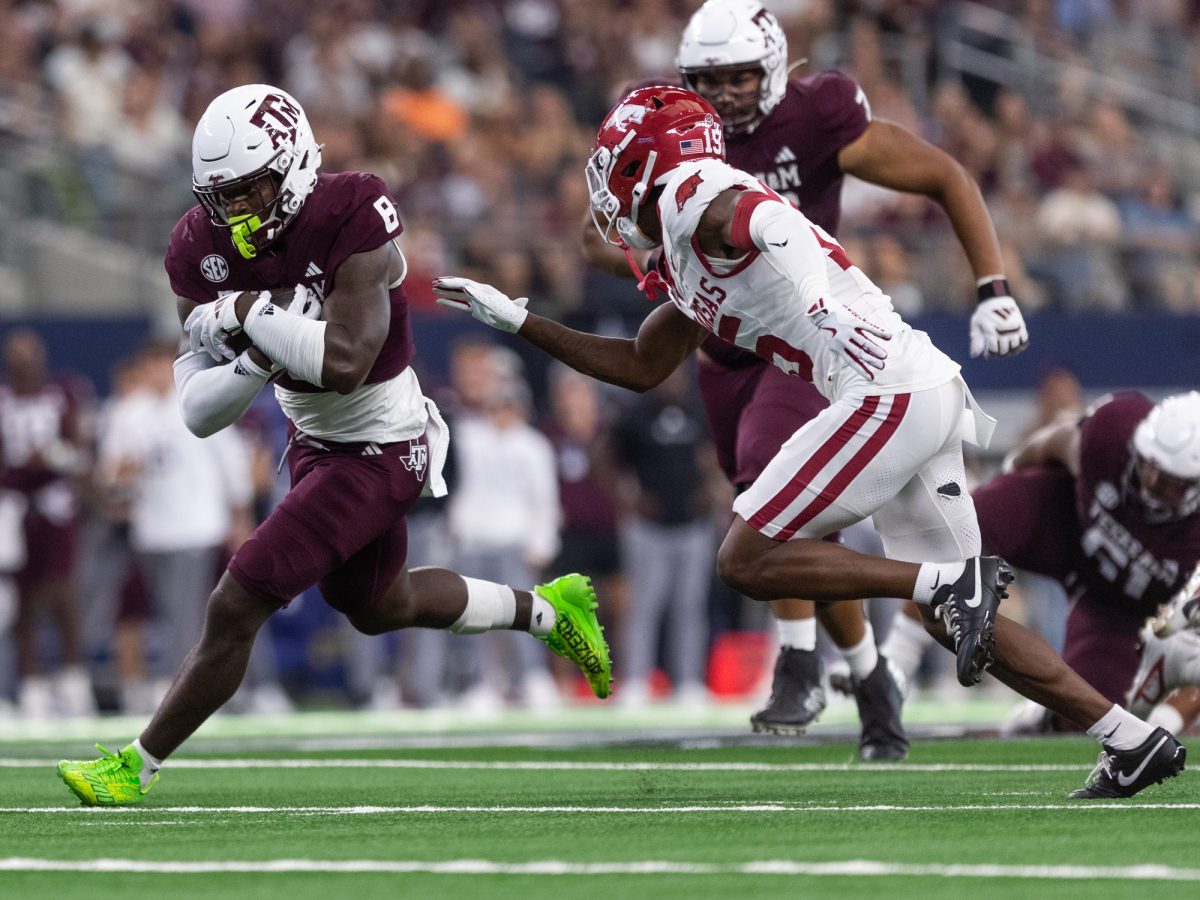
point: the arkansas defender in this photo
(365, 442)
(800, 137)
(741, 262)
(1110, 507)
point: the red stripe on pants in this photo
(851, 470)
(815, 463)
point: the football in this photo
(281, 297)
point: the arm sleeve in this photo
(296, 343)
(212, 396)
(787, 242)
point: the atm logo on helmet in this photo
(278, 117)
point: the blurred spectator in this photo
(668, 541)
(42, 440)
(503, 520)
(189, 500)
(1081, 227)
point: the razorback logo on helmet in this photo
(624, 116)
(278, 117)
(687, 190)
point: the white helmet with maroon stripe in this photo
(736, 34)
(248, 135)
(1167, 448)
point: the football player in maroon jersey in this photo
(365, 441)
(1109, 505)
(800, 137)
(41, 459)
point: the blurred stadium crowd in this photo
(1077, 119)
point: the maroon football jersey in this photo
(1122, 554)
(346, 213)
(31, 426)
(794, 152)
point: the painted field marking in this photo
(857, 867)
(430, 809)
(574, 766)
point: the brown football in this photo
(281, 297)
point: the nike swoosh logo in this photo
(1126, 780)
(1110, 734)
(937, 579)
(975, 599)
(773, 244)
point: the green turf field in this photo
(611, 816)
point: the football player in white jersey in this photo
(742, 263)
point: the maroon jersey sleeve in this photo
(190, 243)
(842, 109)
(367, 216)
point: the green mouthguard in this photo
(242, 227)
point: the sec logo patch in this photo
(214, 268)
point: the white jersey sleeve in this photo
(758, 301)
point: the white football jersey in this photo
(753, 304)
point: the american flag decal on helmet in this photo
(691, 147)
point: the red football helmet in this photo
(644, 138)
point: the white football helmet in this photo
(736, 34)
(254, 139)
(1166, 445)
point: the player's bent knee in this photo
(234, 613)
(736, 567)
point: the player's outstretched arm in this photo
(663, 341)
(892, 156)
(1055, 444)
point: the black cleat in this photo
(879, 700)
(968, 607)
(1122, 773)
(797, 697)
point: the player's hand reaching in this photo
(852, 334)
(484, 302)
(998, 328)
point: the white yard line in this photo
(584, 810)
(858, 867)
(581, 766)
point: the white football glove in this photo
(998, 328)
(852, 334)
(210, 326)
(485, 303)
(306, 303)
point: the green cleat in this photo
(577, 633)
(112, 780)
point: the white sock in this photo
(933, 576)
(905, 645)
(799, 634)
(489, 606)
(1119, 729)
(863, 656)
(150, 764)
(1166, 716)
(541, 618)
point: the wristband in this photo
(996, 286)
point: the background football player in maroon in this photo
(41, 460)
(1109, 506)
(364, 443)
(800, 137)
